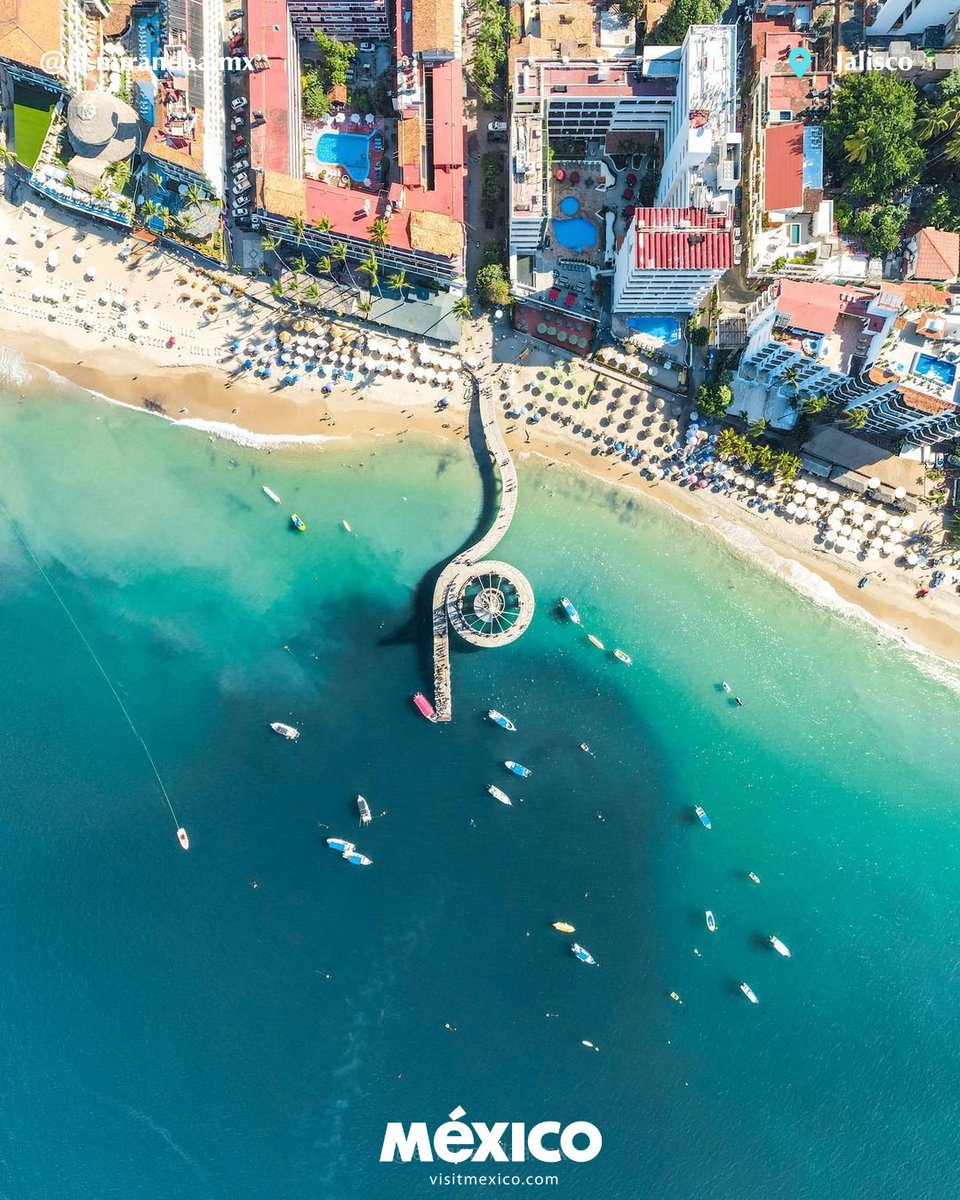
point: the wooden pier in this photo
(446, 594)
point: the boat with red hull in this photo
(424, 707)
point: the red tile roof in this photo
(783, 176)
(938, 255)
(682, 239)
(269, 90)
(815, 307)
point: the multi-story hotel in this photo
(347, 20)
(670, 259)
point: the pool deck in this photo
(312, 166)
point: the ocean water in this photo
(169, 1031)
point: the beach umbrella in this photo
(890, 547)
(833, 497)
(802, 514)
(912, 560)
(899, 493)
(822, 493)
(872, 553)
(791, 508)
(908, 524)
(873, 482)
(811, 502)
(894, 522)
(884, 530)
(847, 506)
(859, 506)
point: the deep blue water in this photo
(170, 1031)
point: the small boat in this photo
(364, 809)
(499, 719)
(341, 844)
(585, 748)
(570, 610)
(584, 955)
(711, 921)
(781, 949)
(424, 706)
(704, 819)
(748, 992)
(497, 794)
(359, 860)
(623, 657)
(518, 769)
(596, 641)
(182, 838)
(564, 927)
(346, 525)
(753, 877)
(726, 687)
(298, 523)
(739, 702)
(271, 493)
(674, 996)
(862, 583)
(589, 1045)
(287, 731)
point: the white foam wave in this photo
(814, 587)
(14, 371)
(256, 441)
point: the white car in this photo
(238, 103)
(242, 165)
(240, 212)
(497, 127)
(366, 47)
(241, 183)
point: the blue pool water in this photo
(348, 150)
(665, 329)
(926, 364)
(575, 233)
(569, 206)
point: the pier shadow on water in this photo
(419, 627)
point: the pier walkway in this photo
(468, 564)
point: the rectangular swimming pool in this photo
(662, 329)
(944, 372)
(351, 151)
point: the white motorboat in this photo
(287, 731)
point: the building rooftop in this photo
(267, 29)
(783, 177)
(433, 24)
(29, 29)
(682, 239)
(817, 307)
(938, 255)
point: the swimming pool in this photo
(348, 150)
(575, 233)
(664, 329)
(945, 372)
(569, 206)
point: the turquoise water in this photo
(169, 1031)
(667, 329)
(575, 233)
(569, 206)
(348, 150)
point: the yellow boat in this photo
(564, 927)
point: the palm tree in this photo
(463, 309)
(370, 268)
(277, 290)
(324, 265)
(298, 224)
(787, 466)
(379, 232)
(298, 265)
(268, 244)
(194, 196)
(156, 179)
(312, 292)
(758, 427)
(152, 209)
(120, 174)
(324, 224)
(814, 404)
(791, 375)
(398, 282)
(854, 418)
(364, 307)
(858, 145)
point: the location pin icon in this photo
(799, 60)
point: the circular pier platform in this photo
(490, 603)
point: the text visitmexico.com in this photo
(456, 1141)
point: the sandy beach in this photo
(198, 380)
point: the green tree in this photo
(335, 60)
(493, 287)
(316, 102)
(812, 405)
(787, 466)
(364, 307)
(869, 137)
(398, 282)
(854, 418)
(714, 399)
(338, 252)
(311, 292)
(298, 224)
(324, 264)
(758, 427)
(268, 244)
(697, 335)
(120, 173)
(324, 224)
(379, 233)
(371, 268)
(673, 25)
(462, 308)
(298, 264)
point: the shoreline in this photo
(268, 418)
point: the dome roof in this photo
(94, 119)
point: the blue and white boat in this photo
(584, 955)
(499, 719)
(704, 819)
(341, 844)
(518, 769)
(359, 860)
(568, 608)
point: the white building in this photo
(670, 259)
(904, 17)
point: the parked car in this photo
(234, 14)
(241, 212)
(351, 75)
(239, 139)
(497, 127)
(238, 103)
(242, 182)
(240, 165)
(236, 122)
(366, 47)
